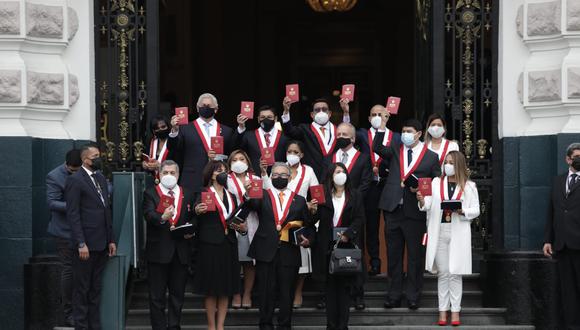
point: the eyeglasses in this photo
(320, 109)
(283, 176)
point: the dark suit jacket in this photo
(362, 141)
(209, 226)
(360, 175)
(392, 192)
(352, 217)
(250, 145)
(55, 183)
(312, 155)
(187, 147)
(160, 245)
(563, 224)
(266, 240)
(89, 219)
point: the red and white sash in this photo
(280, 211)
(339, 222)
(205, 139)
(407, 170)
(302, 173)
(179, 197)
(262, 140)
(153, 150)
(444, 149)
(351, 160)
(375, 159)
(326, 146)
(444, 193)
(223, 211)
(238, 184)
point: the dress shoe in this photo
(455, 323)
(392, 304)
(359, 304)
(413, 305)
(442, 323)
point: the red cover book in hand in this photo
(164, 202)
(293, 92)
(317, 192)
(255, 191)
(182, 114)
(348, 92)
(217, 144)
(393, 105)
(268, 156)
(425, 186)
(247, 109)
(208, 198)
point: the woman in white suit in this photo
(449, 233)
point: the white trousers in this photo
(449, 286)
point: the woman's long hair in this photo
(461, 169)
(208, 170)
(329, 182)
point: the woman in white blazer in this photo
(449, 233)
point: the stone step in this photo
(140, 300)
(314, 317)
(369, 327)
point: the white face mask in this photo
(292, 159)
(408, 138)
(239, 167)
(449, 169)
(168, 181)
(376, 122)
(321, 118)
(436, 131)
(339, 179)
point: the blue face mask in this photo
(408, 138)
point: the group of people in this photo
(363, 173)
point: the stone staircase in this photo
(473, 315)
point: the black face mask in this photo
(267, 124)
(280, 183)
(342, 142)
(97, 164)
(206, 112)
(162, 134)
(222, 179)
(576, 163)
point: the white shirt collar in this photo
(202, 122)
(327, 125)
(276, 192)
(351, 152)
(272, 131)
(165, 191)
(416, 149)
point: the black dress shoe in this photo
(392, 304)
(413, 305)
(359, 304)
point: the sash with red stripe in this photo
(206, 146)
(352, 161)
(177, 214)
(238, 187)
(301, 180)
(223, 212)
(375, 159)
(263, 145)
(444, 153)
(320, 140)
(417, 161)
(280, 217)
(339, 222)
(442, 185)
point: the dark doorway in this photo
(248, 50)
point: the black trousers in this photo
(568, 262)
(372, 214)
(87, 279)
(401, 231)
(275, 280)
(170, 277)
(338, 292)
(65, 256)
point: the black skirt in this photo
(217, 270)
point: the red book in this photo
(348, 92)
(255, 191)
(217, 144)
(182, 114)
(425, 186)
(393, 105)
(293, 92)
(164, 202)
(317, 192)
(208, 199)
(247, 109)
(268, 156)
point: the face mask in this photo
(449, 169)
(436, 131)
(97, 164)
(280, 183)
(376, 122)
(239, 167)
(576, 163)
(163, 134)
(408, 138)
(267, 124)
(292, 159)
(222, 179)
(206, 112)
(339, 179)
(343, 142)
(321, 118)
(168, 181)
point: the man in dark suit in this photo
(59, 228)
(266, 136)
(191, 143)
(88, 212)
(277, 258)
(404, 223)
(378, 118)
(562, 235)
(319, 137)
(167, 256)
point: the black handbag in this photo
(345, 260)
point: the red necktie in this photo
(267, 138)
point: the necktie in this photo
(171, 192)
(207, 125)
(267, 138)
(98, 186)
(344, 158)
(409, 156)
(573, 181)
(281, 197)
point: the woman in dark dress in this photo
(343, 208)
(217, 274)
